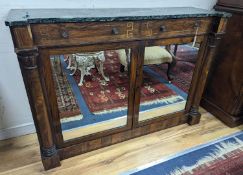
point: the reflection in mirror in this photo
(167, 75)
(92, 92)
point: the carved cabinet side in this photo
(206, 56)
(28, 60)
(223, 96)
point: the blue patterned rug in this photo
(219, 157)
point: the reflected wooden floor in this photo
(121, 121)
(94, 128)
(21, 155)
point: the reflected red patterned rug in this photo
(67, 104)
(101, 96)
(182, 74)
(183, 71)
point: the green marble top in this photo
(33, 16)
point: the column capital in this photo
(28, 58)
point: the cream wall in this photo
(15, 115)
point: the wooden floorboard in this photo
(21, 155)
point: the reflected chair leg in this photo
(171, 66)
(175, 49)
(122, 68)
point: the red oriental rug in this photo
(67, 104)
(186, 57)
(102, 97)
(182, 74)
(105, 97)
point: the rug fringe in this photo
(222, 149)
(167, 100)
(70, 119)
(110, 111)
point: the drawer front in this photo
(175, 27)
(82, 33)
(96, 32)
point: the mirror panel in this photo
(167, 75)
(92, 90)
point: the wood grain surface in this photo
(21, 155)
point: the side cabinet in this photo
(223, 96)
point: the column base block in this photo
(51, 162)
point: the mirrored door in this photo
(166, 80)
(93, 91)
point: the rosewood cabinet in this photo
(223, 96)
(71, 119)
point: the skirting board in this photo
(16, 131)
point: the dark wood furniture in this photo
(171, 64)
(37, 34)
(223, 96)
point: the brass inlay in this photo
(30, 32)
(129, 29)
(149, 31)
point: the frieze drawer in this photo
(174, 27)
(91, 32)
(82, 33)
